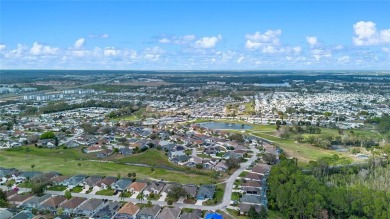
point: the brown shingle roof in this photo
(251, 183)
(73, 202)
(54, 201)
(137, 186)
(129, 208)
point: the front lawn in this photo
(108, 192)
(77, 189)
(57, 188)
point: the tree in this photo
(199, 166)
(3, 199)
(47, 135)
(60, 211)
(177, 192)
(270, 158)
(233, 163)
(38, 189)
(32, 166)
(141, 196)
(68, 194)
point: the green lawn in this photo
(304, 152)
(77, 189)
(151, 157)
(57, 188)
(108, 192)
(27, 184)
(66, 162)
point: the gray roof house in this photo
(122, 184)
(92, 180)
(5, 214)
(195, 214)
(154, 187)
(169, 213)
(52, 203)
(70, 205)
(89, 207)
(73, 181)
(149, 213)
(191, 190)
(205, 192)
(35, 201)
(108, 210)
(251, 199)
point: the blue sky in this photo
(189, 35)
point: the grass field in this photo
(72, 161)
(304, 152)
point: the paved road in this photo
(225, 201)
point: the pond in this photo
(224, 125)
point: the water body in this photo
(224, 125)
(276, 85)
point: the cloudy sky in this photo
(189, 35)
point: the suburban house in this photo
(122, 184)
(191, 190)
(19, 199)
(244, 208)
(35, 201)
(52, 203)
(251, 199)
(105, 183)
(74, 181)
(137, 187)
(149, 213)
(58, 180)
(262, 169)
(128, 211)
(70, 205)
(92, 181)
(154, 187)
(89, 207)
(108, 210)
(221, 166)
(251, 183)
(195, 214)
(169, 213)
(205, 192)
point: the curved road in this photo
(225, 201)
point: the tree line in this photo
(298, 195)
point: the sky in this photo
(195, 35)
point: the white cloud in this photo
(366, 34)
(2, 47)
(110, 51)
(207, 42)
(312, 41)
(386, 50)
(319, 54)
(343, 59)
(105, 35)
(39, 49)
(79, 43)
(177, 40)
(259, 40)
(239, 60)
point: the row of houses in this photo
(50, 205)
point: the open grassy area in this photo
(304, 152)
(152, 157)
(72, 161)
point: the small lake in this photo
(224, 125)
